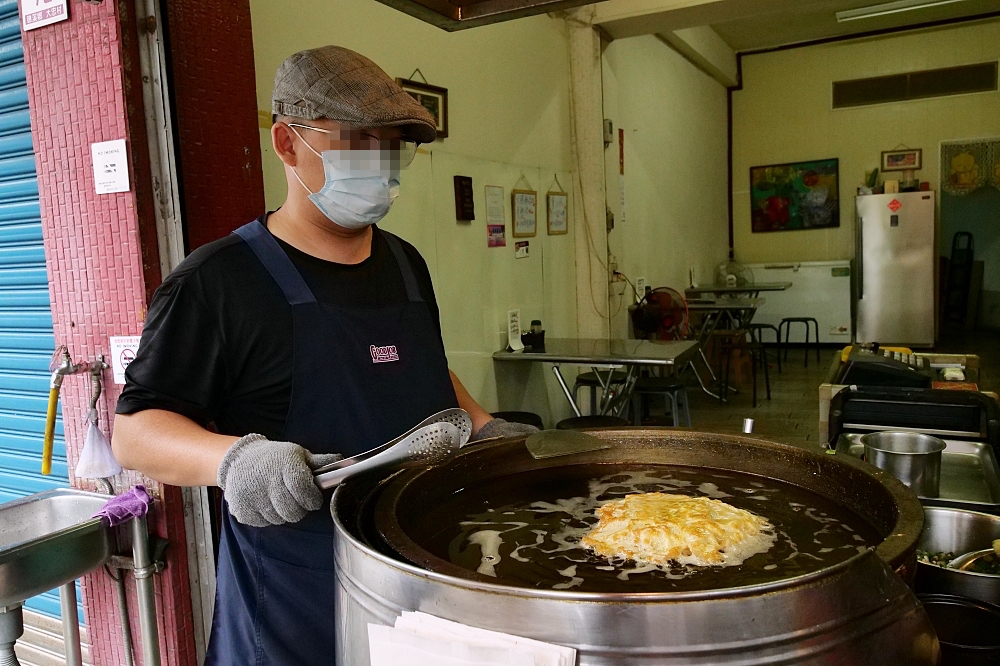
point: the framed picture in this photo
(556, 206)
(524, 204)
(797, 195)
(902, 160)
(432, 98)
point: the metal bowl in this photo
(913, 458)
(967, 629)
(957, 531)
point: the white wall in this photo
(674, 117)
(784, 114)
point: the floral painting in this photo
(798, 195)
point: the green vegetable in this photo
(937, 559)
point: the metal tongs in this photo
(431, 442)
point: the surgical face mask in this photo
(360, 186)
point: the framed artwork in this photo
(524, 204)
(902, 160)
(556, 206)
(432, 98)
(797, 195)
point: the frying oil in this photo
(533, 538)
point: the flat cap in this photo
(337, 83)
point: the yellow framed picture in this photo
(524, 206)
(557, 208)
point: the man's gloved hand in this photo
(270, 483)
(501, 428)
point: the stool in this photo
(755, 335)
(527, 418)
(673, 392)
(786, 324)
(756, 350)
(590, 380)
(588, 422)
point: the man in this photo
(306, 335)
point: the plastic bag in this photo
(96, 460)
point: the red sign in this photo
(894, 205)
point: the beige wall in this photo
(509, 101)
(784, 114)
(674, 117)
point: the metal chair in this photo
(593, 382)
(755, 334)
(756, 350)
(786, 324)
(674, 394)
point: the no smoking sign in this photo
(123, 351)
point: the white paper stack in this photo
(419, 639)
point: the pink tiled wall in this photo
(101, 254)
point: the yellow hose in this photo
(50, 431)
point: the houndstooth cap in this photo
(337, 83)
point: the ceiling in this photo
(454, 15)
(816, 19)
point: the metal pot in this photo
(967, 629)
(913, 458)
(957, 531)
(857, 610)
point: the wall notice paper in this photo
(419, 639)
(514, 330)
(496, 235)
(521, 250)
(494, 205)
(123, 351)
(38, 13)
(110, 166)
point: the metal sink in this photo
(48, 540)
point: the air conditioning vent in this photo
(916, 85)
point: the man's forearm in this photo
(169, 448)
(480, 416)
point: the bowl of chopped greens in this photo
(956, 555)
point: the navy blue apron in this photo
(362, 376)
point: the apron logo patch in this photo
(385, 354)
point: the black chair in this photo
(527, 418)
(588, 422)
(756, 331)
(674, 394)
(590, 380)
(786, 324)
(756, 351)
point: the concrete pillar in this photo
(588, 151)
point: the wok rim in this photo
(897, 547)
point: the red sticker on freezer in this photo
(894, 205)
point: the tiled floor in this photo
(792, 414)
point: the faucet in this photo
(61, 366)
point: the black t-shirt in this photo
(217, 342)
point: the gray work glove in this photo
(501, 428)
(271, 483)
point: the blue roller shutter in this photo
(26, 339)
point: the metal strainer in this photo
(427, 445)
